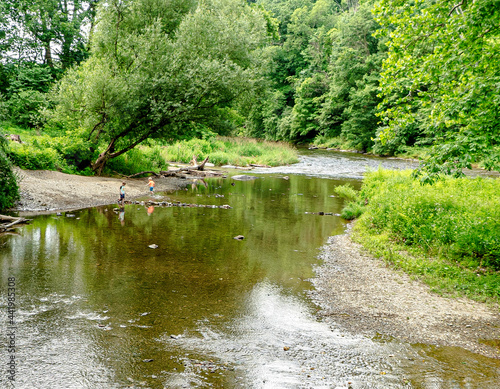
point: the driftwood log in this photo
(197, 170)
(149, 173)
(12, 222)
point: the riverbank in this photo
(363, 296)
(49, 191)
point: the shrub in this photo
(69, 153)
(138, 160)
(354, 207)
(25, 107)
(9, 189)
(33, 157)
(456, 218)
(346, 191)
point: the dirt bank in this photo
(43, 190)
(362, 295)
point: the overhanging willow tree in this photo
(150, 77)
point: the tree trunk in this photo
(100, 162)
(48, 55)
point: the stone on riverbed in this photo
(243, 177)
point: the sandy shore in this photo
(362, 295)
(46, 191)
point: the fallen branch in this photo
(13, 220)
(202, 166)
(149, 173)
(195, 164)
(9, 218)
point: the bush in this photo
(33, 157)
(9, 189)
(69, 154)
(25, 106)
(138, 160)
(346, 192)
(458, 219)
(352, 210)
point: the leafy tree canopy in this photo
(442, 75)
(148, 78)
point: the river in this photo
(97, 307)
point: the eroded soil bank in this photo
(362, 295)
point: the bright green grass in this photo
(448, 234)
(233, 151)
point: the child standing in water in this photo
(122, 193)
(151, 185)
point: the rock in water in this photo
(244, 178)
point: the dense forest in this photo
(382, 76)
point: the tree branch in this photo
(455, 7)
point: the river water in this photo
(96, 307)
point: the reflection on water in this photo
(277, 343)
(99, 308)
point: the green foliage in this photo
(296, 72)
(235, 151)
(69, 153)
(49, 30)
(324, 141)
(356, 60)
(346, 192)
(138, 160)
(24, 107)
(32, 157)
(9, 189)
(441, 78)
(141, 83)
(354, 207)
(324, 79)
(24, 93)
(458, 219)
(352, 210)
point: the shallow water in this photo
(98, 308)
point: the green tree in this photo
(145, 80)
(40, 29)
(356, 60)
(26, 94)
(296, 71)
(444, 69)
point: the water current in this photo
(96, 307)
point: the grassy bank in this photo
(447, 234)
(70, 153)
(232, 151)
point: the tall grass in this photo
(234, 151)
(449, 232)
